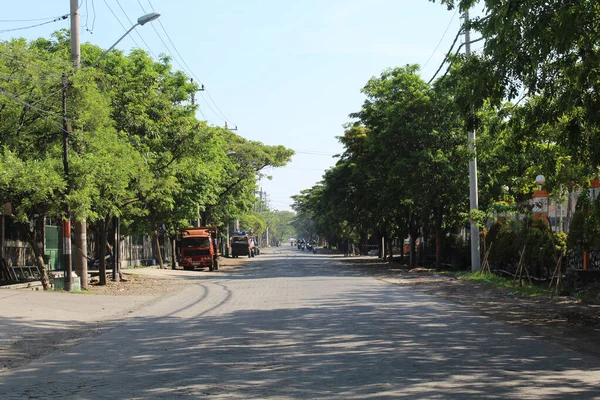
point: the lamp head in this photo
(540, 180)
(148, 18)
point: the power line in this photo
(222, 115)
(447, 54)
(87, 14)
(306, 169)
(27, 20)
(316, 153)
(31, 106)
(442, 38)
(456, 53)
(62, 17)
(120, 23)
(188, 71)
(48, 96)
(138, 33)
(28, 77)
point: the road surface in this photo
(295, 325)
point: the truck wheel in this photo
(187, 268)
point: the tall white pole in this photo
(79, 228)
(473, 195)
(75, 46)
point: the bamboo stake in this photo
(519, 270)
(555, 273)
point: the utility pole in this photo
(473, 195)
(193, 94)
(116, 249)
(80, 231)
(66, 224)
(75, 46)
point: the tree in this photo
(558, 65)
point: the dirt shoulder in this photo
(560, 319)
(34, 323)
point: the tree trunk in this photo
(402, 260)
(32, 238)
(413, 231)
(102, 251)
(173, 251)
(390, 249)
(438, 242)
(424, 248)
(363, 242)
(158, 252)
(569, 211)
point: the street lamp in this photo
(540, 199)
(80, 227)
(144, 19)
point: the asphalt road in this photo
(295, 325)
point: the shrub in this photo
(542, 246)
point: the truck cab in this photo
(199, 248)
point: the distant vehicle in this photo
(199, 248)
(292, 241)
(243, 245)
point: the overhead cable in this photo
(442, 38)
(120, 23)
(460, 30)
(137, 32)
(34, 108)
(220, 113)
(62, 17)
(456, 53)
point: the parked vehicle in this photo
(242, 245)
(199, 248)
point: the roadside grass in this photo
(494, 280)
(88, 292)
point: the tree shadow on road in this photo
(374, 341)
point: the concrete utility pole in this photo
(474, 199)
(66, 224)
(80, 231)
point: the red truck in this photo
(199, 248)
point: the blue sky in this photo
(284, 72)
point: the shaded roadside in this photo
(35, 323)
(561, 319)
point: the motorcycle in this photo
(314, 249)
(303, 246)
